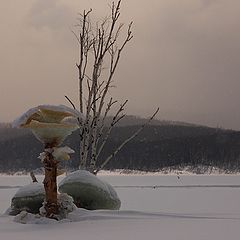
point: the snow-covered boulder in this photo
(28, 198)
(89, 192)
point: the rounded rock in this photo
(89, 192)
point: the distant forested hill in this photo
(160, 145)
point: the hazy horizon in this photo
(184, 58)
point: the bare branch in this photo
(114, 65)
(98, 44)
(126, 141)
(70, 101)
(76, 36)
(109, 105)
(73, 106)
(115, 120)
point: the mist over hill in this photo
(161, 144)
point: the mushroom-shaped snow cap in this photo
(50, 124)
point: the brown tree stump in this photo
(50, 185)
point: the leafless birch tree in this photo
(100, 44)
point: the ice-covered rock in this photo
(28, 198)
(89, 192)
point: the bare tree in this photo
(100, 45)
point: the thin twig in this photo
(126, 141)
(70, 101)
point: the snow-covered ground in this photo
(153, 207)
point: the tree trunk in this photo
(50, 185)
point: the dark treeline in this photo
(158, 146)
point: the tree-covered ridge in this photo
(157, 147)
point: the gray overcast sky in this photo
(184, 58)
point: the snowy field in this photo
(153, 207)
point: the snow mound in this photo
(65, 204)
(89, 192)
(80, 214)
(29, 218)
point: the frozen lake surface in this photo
(153, 207)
